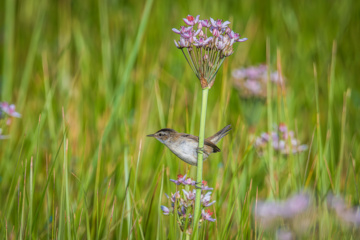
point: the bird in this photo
(185, 146)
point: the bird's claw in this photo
(200, 150)
(198, 185)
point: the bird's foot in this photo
(200, 150)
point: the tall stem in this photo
(270, 122)
(197, 213)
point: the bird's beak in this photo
(151, 135)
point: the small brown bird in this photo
(185, 146)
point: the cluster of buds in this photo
(205, 44)
(251, 82)
(283, 141)
(7, 112)
(183, 202)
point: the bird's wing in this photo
(206, 142)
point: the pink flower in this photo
(216, 32)
(183, 43)
(190, 20)
(9, 109)
(236, 37)
(219, 45)
(201, 42)
(182, 30)
(175, 196)
(180, 179)
(218, 23)
(205, 23)
(207, 215)
(189, 181)
(190, 195)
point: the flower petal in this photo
(165, 210)
(241, 39)
(224, 24)
(176, 31)
(213, 23)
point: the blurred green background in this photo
(114, 70)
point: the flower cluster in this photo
(283, 209)
(293, 212)
(7, 111)
(283, 141)
(205, 44)
(346, 214)
(183, 202)
(252, 81)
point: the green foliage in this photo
(93, 78)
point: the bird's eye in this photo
(160, 134)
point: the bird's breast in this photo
(185, 149)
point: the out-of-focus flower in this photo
(180, 179)
(9, 109)
(165, 210)
(282, 209)
(284, 234)
(347, 215)
(184, 204)
(294, 212)
(292, 217)
(251, 82)
(206, 215)
(190, 195)
(283, 141)
(204, 186)
(175, 196)
(190, 20)
(7, 112)
(206, 47)
(189, 181)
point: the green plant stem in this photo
(269, 124)
(197, 213)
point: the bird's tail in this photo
(220, 134)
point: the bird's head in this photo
(163, 135)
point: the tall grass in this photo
(103, 75)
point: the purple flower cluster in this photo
(284, 209)
(268, 213)
(183, 202)
(347, 215)
(283, 141)
(7, 111)
(205, 44)
(252, 81)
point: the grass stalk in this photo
(22, 224)
(8, 57)
(320, 168)
(31, 192)
(269, 123)
(342, 143)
